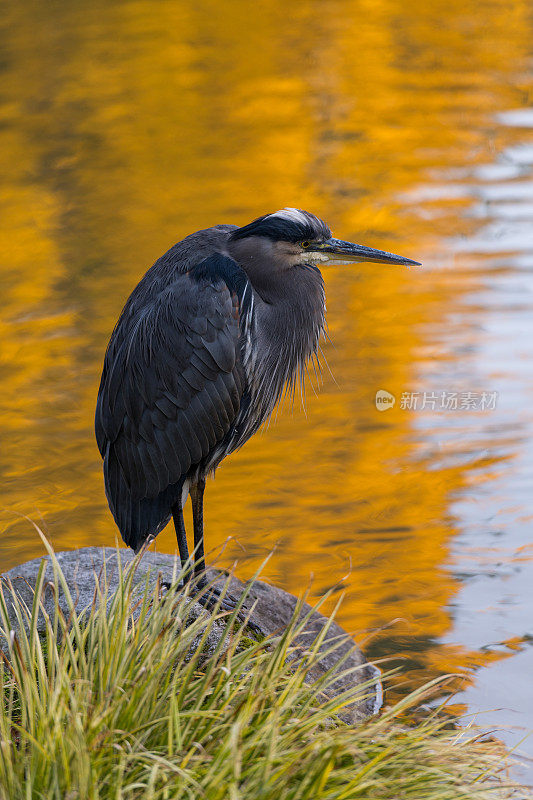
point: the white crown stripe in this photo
(292, 215)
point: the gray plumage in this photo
(204, 348)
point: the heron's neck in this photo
(288, 314)
(289, 322)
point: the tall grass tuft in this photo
(131, 699)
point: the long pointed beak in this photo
(348, 252)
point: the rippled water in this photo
(126, 125)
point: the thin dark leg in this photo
(227, 603)
(181, 534)
(197, 498)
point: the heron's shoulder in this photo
(188, 252)
(219, 269)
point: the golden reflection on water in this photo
(126, 125)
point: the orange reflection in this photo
(126, 128)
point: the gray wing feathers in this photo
(170, 392)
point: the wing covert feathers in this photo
(170, 392)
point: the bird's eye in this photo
(306, 244)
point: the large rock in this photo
(273, 610)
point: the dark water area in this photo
(126, 125)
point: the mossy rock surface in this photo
(272, 613)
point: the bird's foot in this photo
(214, 596)
(210, 596)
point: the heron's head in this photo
(291, 237)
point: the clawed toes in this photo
(227, 602)
(210, 596)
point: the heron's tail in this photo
(137, 519)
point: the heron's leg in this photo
(197, 498)
(214, 595)
(181, 534)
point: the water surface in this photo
(126, 125)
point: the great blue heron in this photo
(205, 346)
